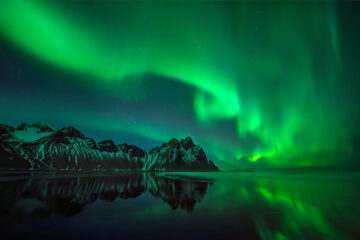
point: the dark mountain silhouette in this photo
(41, 147)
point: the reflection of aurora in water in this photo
(299, 218)
(261, 86)
(290, 206)
(237, 205)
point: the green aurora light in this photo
(275, 73)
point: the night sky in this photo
(256, 84)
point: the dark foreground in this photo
(180, 206)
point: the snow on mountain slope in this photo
(29, 133)
(39, 146)
(178, 155)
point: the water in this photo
(181, 206)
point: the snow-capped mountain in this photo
(39, 146)
(177, 155)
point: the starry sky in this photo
(262, 84)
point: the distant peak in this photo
(187, 143)
(6, 131)
(132, 150)
(107, 142)
(6, 127)
(41, 127)
(174, 141)
(24, 126)
(107, 146)
(72, 132)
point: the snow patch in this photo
(30, 134)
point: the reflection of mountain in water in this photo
(69, 195)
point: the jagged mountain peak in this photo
(6, 127)
(6, 131)
(173, 143)
(132, 150)
(69, 136)
(187, 143)
(72, 132)
(25, 132)
(179, 155)
(57, 137)
(41, 127)
(108, 146)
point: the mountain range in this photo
(41, 147)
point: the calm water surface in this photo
(181, 206)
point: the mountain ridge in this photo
(41, 147)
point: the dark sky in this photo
(257, 84)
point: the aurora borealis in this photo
(257, 84)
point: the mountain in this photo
(41, 147)
(178, 156)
